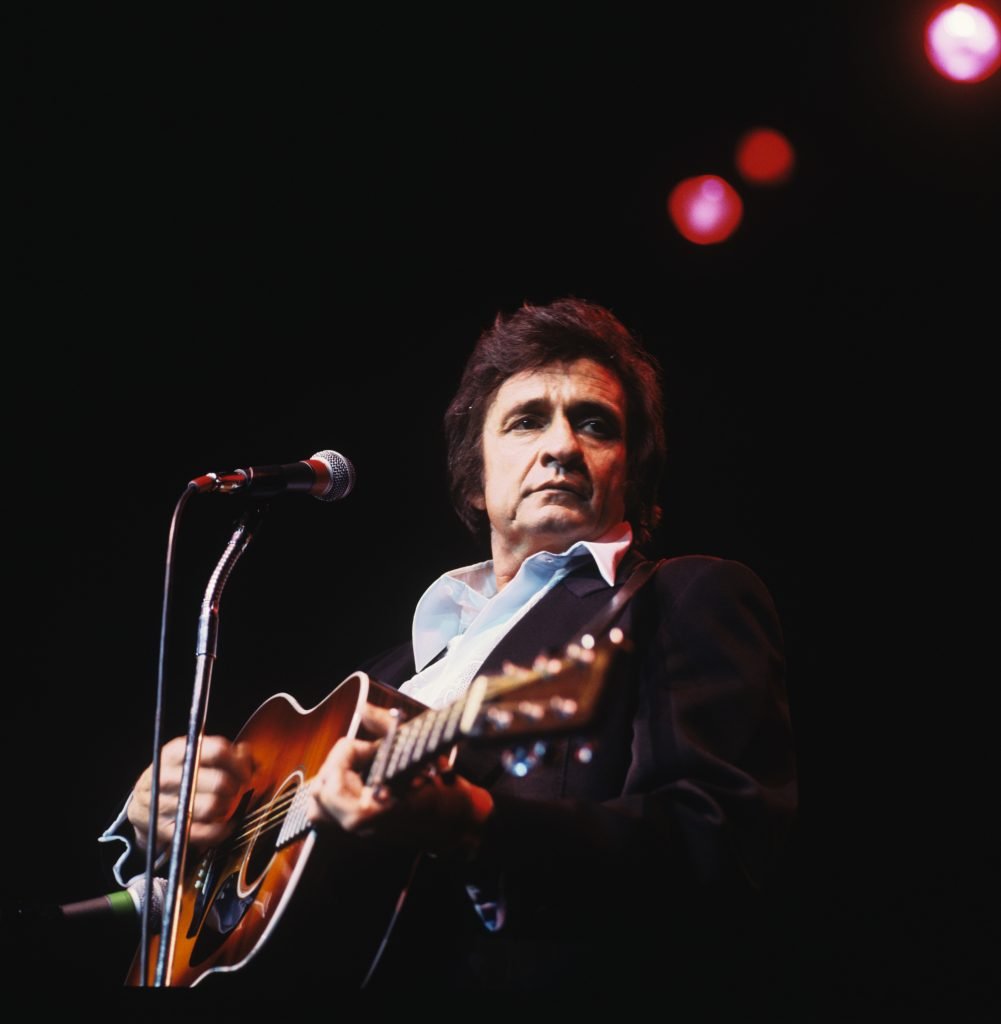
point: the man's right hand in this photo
(224, 770)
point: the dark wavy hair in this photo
(538, 336)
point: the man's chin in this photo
(557, 531)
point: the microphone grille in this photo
(342, 475)
(137, 890)
(158, 897)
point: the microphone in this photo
(327, 475)
(126, 903)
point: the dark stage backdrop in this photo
(242, 238)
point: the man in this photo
(589, 873)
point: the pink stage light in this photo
(963, 42)
(765, 157)
(705, 209)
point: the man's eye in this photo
(525, 423)
(598, 427)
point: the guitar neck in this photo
(412, 744)
(555, 695)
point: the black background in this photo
(241, 237)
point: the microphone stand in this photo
(205, 654)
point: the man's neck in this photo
(507, 561)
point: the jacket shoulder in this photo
(701, 578)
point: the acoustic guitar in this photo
(233, 895)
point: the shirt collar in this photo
(607, 551)
(451, 603)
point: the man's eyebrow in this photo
(585, 407)
(594, 406)
(529, 405)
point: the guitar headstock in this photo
(557, 694)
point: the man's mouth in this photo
(561, 485)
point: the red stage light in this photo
(705, 209)
(963, 42)
(765, 157)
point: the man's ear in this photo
(478, 501)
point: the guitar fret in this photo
(413, 729)
(295, 819)
(421, 746)
(380, 767)
(285, 832)
(454, 717)
(440, 717)
(399, 741)
(302, 820)
(378, 770)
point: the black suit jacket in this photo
(647, 859)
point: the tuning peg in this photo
(547, 665)
(519, 761)
(512, 670)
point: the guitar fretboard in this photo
(411, 744)
(296, 823)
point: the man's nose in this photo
(560, 444)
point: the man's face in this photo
(554, 459)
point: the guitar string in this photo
(259, 819)
(494, 688)
(272, 814)
(267, 817)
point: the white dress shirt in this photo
(463, 613)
